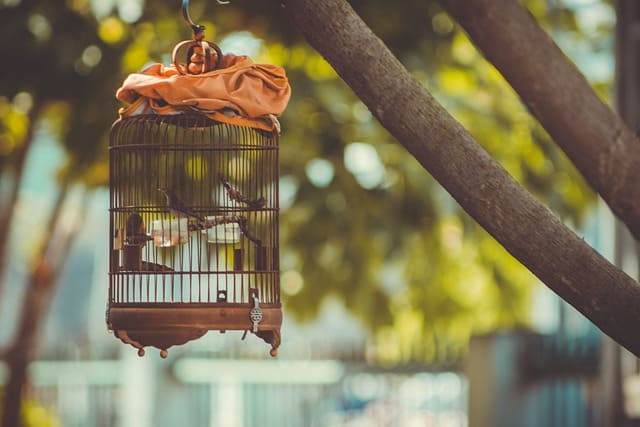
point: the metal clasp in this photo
(255, 315)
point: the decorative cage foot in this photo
(271, 337)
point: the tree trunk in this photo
(40, 289)
(527, 229)
(596, 140)
(8, 208)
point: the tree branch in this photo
(7, 212)
(41, 283)
(596, 140)
(527, 229)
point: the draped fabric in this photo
(240, 92)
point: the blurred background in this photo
(399, 309)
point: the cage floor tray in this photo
(165, 325)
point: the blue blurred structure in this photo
(568, 374)
(535, 380)
(198, 390)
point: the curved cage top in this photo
(191, 129)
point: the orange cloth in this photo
(252, 91)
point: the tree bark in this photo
(596, 140)
(527, 229)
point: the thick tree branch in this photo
(528, 230)
(603, 149)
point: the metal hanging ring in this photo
(211, 54)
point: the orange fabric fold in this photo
(253, 92)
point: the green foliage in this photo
(371, 227)
(35, 414)
(14, 124)
(403, 256)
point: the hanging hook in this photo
(198, 30)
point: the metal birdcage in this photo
(194, 199)
(194, 220)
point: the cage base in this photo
(165, 325)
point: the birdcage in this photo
(194, 215)
(194, 222)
